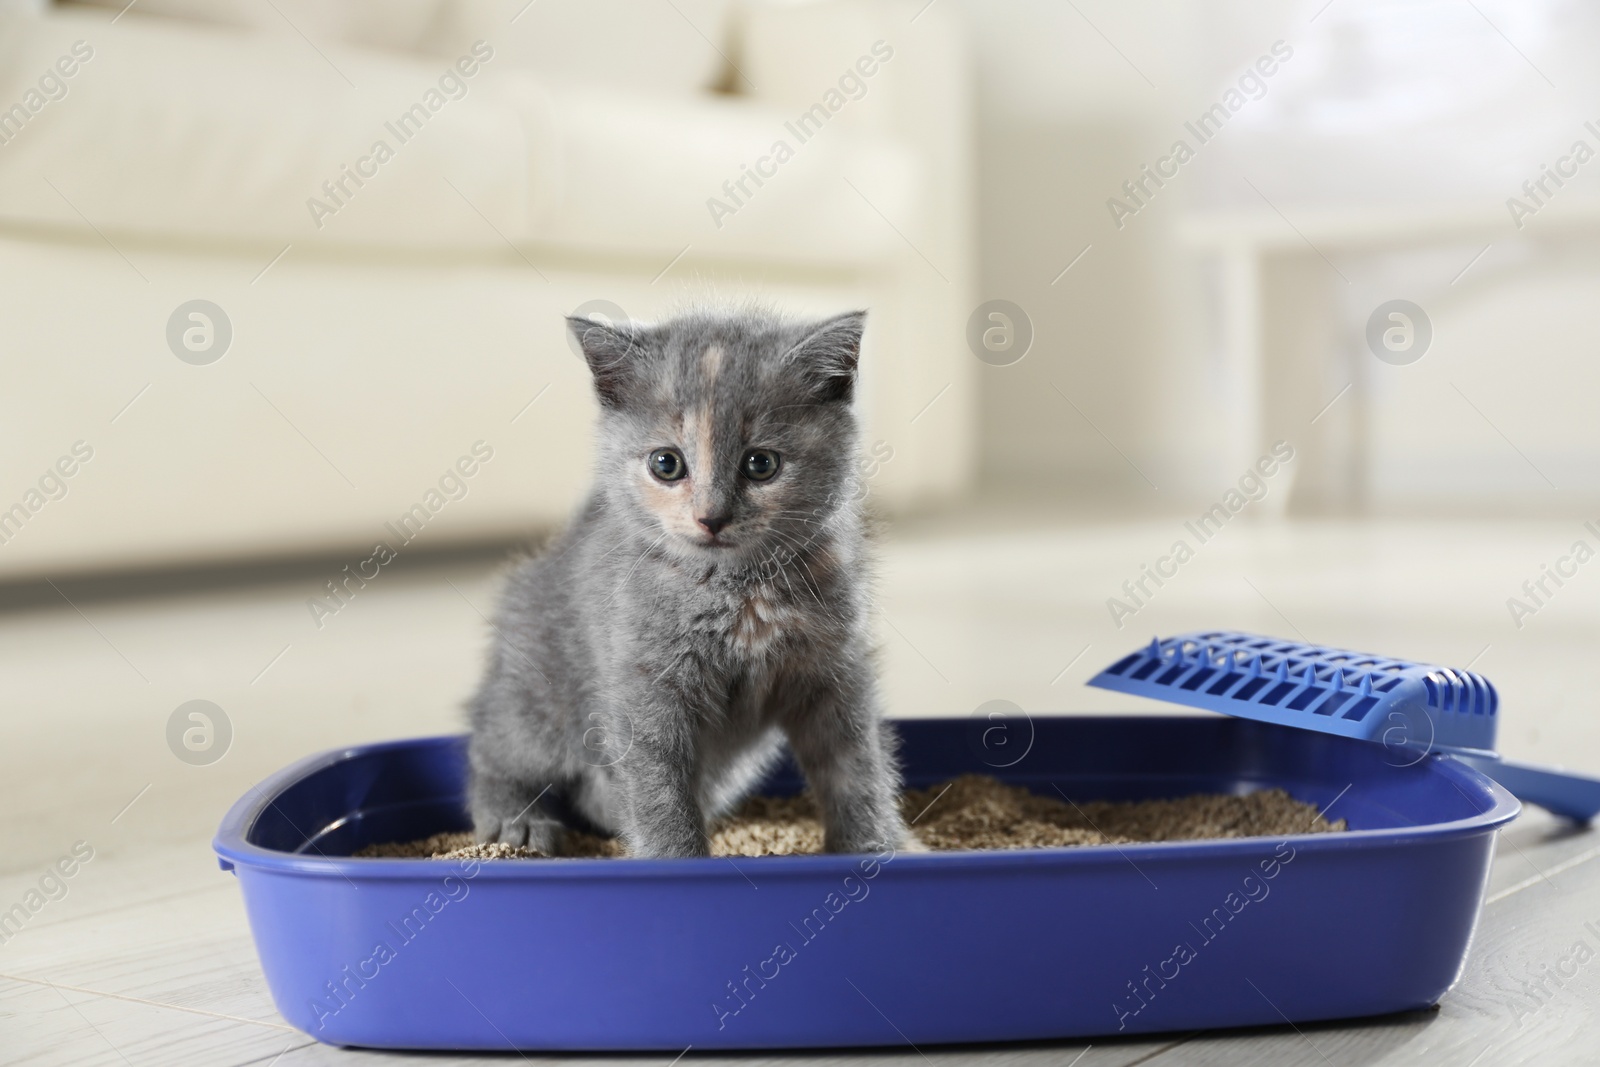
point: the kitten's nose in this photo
(714, 524)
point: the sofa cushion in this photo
(655, 174)
(651, 46)
(169, 131)
(406, 25)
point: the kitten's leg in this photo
(663, 816)
(656, 780)
(846, 755)
(514, 755)
(507, 810)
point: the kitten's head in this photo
(730, 434)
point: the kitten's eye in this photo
(760, 464)
(667, 464)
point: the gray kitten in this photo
(708, 603)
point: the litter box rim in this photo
(234, 849)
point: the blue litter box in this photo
(810, 951)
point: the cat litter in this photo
(970, 812)
(808, 951)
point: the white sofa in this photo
(387, 315)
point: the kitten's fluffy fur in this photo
(646, 669)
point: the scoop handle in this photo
(1575, 796)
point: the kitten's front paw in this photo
(871, 838)
(507, 811)
(664, 848)
(912, 843)
(530, 830)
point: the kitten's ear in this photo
(612, 350)
(827, 356)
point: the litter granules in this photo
(970, 812)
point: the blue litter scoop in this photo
(1411, 709)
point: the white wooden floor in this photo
(147, 958)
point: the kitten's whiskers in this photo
(814, 586)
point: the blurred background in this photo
(275, 274)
